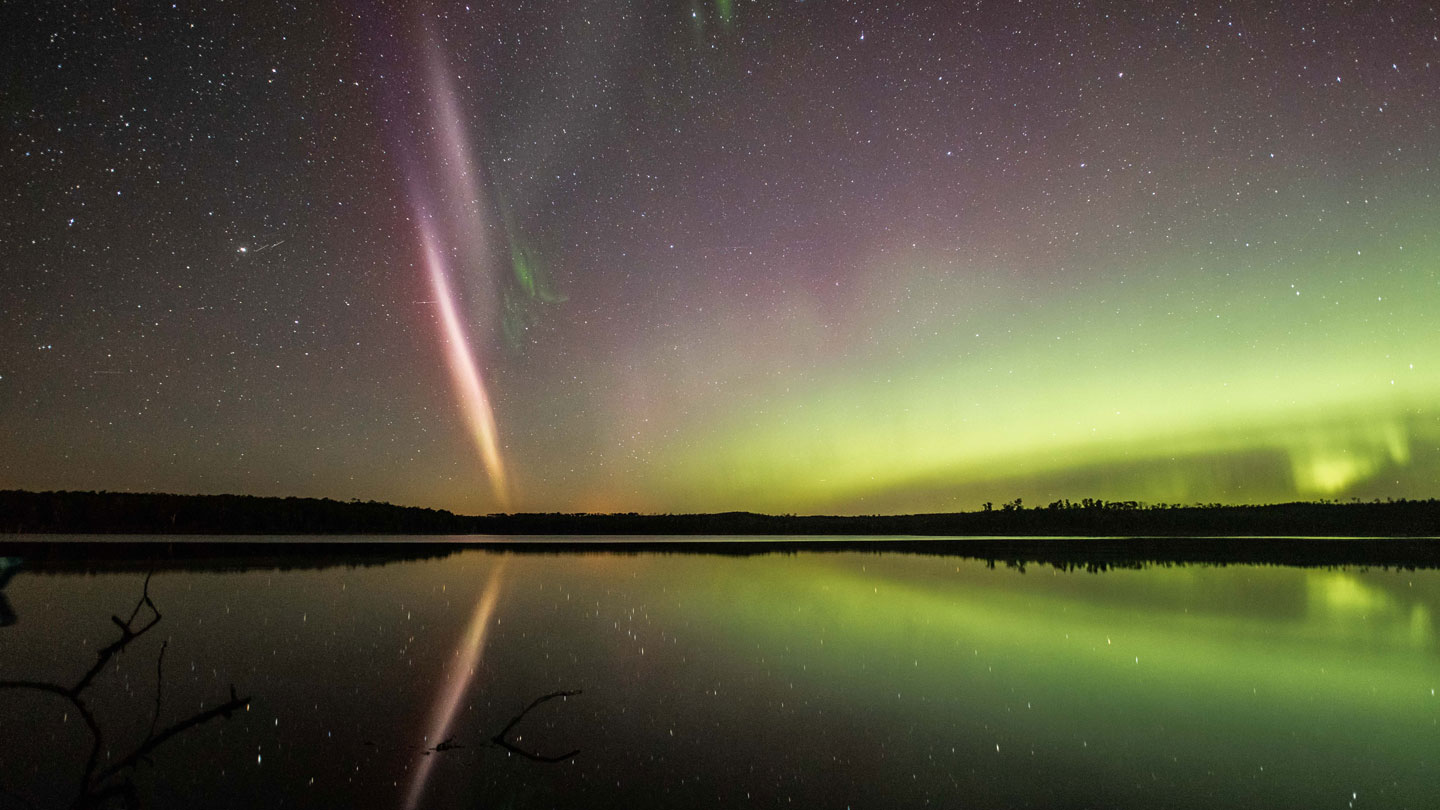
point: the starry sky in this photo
(702, 256)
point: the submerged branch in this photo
(96, 789)
(159, 685)
(128, 634)
(154, 741)
(501, 740)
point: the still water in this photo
(816, 680)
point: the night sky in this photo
(701, 256)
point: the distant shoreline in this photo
(23, 512)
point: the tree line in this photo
(170, 514)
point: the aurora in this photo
(720, 256)
(465, 202)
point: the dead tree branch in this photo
(502, 740)
(98, 788)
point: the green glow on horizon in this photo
(814, 257)
(795, 457)
(1173, 386)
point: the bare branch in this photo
(156, 740)
(97, 789)
(128, 633)
(500, 739)
(448, 745)
(159, 685)
(72, 696)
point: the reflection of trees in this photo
(112, 783)
(8, 567)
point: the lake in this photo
(813, 679)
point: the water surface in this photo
(839, 680)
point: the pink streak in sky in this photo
(451, 211)
(457, 685)
(464, 369)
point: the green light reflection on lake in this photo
(817, 679)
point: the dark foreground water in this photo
(815, 680)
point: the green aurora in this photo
(1204, 382)
(804, 257)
